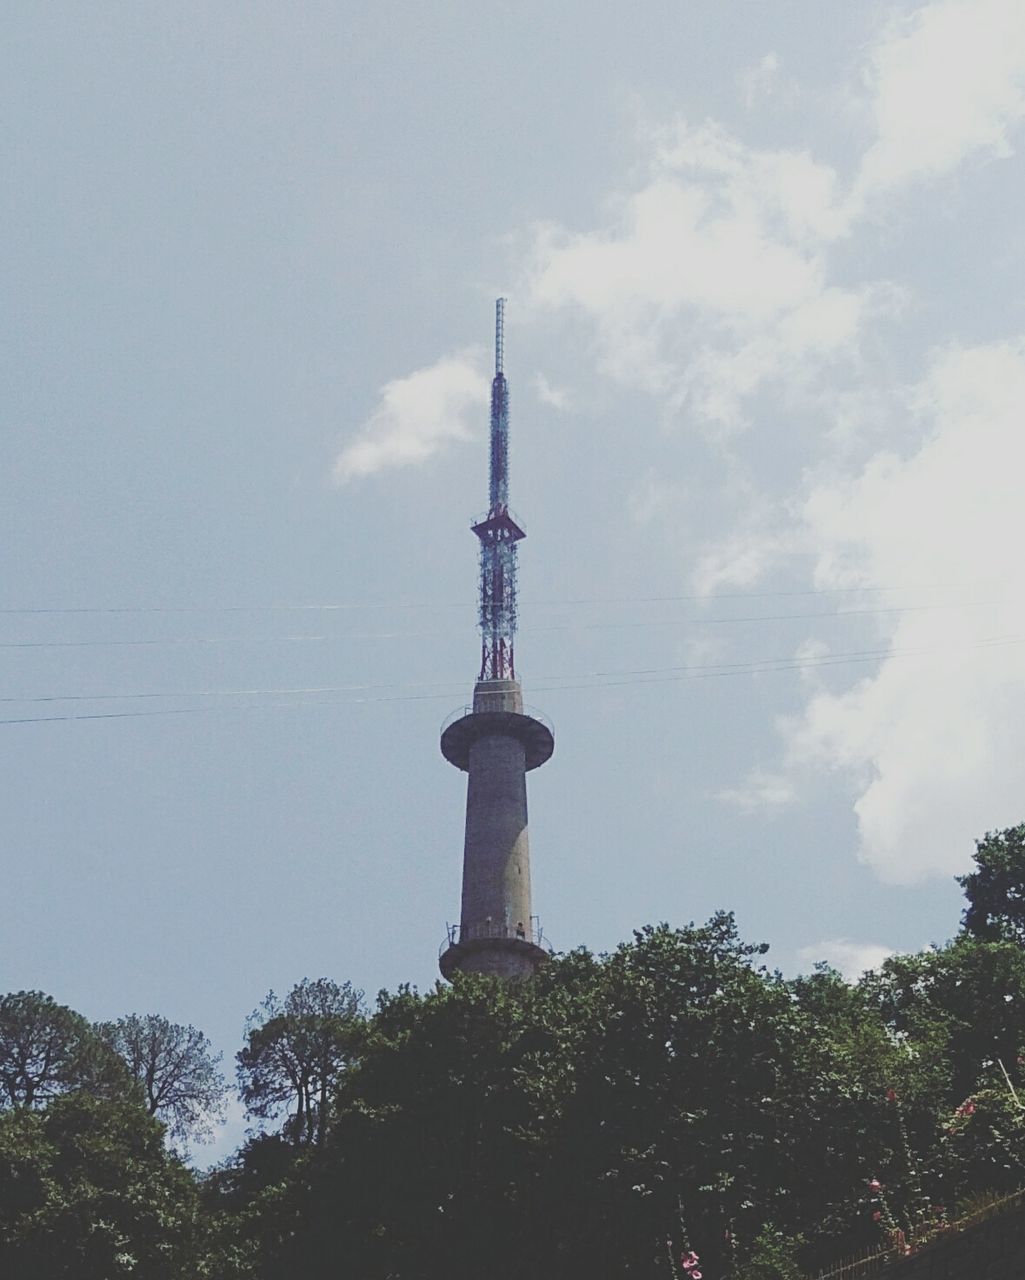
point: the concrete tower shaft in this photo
(496, 743)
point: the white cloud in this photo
(763, 81)
(795, 352)
(761, 790)
(851, 959)
(743, 558)
(933, 741)
(712, 278)
(417, 416)
(558, 397)
(945, 82)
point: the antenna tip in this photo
(499, 335)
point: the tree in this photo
(963, 1004)
(47, 1049)
(176, 1069)
(985, 1140)
(602, 1118)
(996, 889)
(88, 1192)
(296, 1050)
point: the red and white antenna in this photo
(498, 533)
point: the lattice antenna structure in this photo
(499, 533)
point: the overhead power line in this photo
(585, 680)
(149, 642)
(338, 606)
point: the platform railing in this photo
(527, 932)
(467, 710)
(484, 515)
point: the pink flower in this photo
(689, 1261)
(891, 1095)
(875, 1185)
(876, 1216)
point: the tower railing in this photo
(526, 932)
(483, 516)
(467, 710)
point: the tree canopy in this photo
(47, 1049)
(602, 1119)
(88, 1192)
(996, 888)
(671, 1106)
(295, 1051)
(176, 1069)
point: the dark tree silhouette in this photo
(295, 1051)
(176, 1069)
(47, 1049)
(996, 888)
(88, 1191)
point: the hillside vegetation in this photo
(674, 1108)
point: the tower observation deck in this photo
(496, 741)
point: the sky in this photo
(766, 350)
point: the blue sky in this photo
(766, 355)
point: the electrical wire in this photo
(594, 680)
(541, 683)
(466, 604)
(435, 635)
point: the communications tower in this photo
(496, 743)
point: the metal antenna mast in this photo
(499, 533)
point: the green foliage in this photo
(295, 1051)
(979, 1203)
(88, 1192)
(773, 1256)
(599, 1119)
(604, 1118)
(985, 1140)
(996, 889)
(47, 1049)
(962, 1005)
(176, 1069)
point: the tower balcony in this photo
(466, 725)
(494, 947)
(498, 524)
